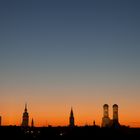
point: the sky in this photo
(58, 54)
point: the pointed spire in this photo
(71, 118)
(32, 123)
(25, 117)
(25, 107)
(71, 112)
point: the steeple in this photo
(25, 110)
(25, 117)
(71, 112)
(32, 123)
(71, 118)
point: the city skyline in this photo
(57, 54)
(28, 121)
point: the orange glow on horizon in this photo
(51, 110)
(81, 119)
(65, 122)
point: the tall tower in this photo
(115, 112)
(105, 119)
(25, 117)
(32, 123)
(115, 121)
(71, 119)
(105, 111)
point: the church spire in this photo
(71, 118)
(71, 112)
(25, 117)
(32, 123)
(25, 107)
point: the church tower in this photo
(115, 117)
(25, 117)
(115, 113)
(105, 119)
(71, 119)
(32, 123)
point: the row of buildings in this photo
(106, 121)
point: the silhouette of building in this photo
(0, 120)
(32, 123)
(115, 120)
(94, 123)
(25, 117)
(105, 119)
(71, 119)
(115, 112)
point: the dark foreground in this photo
(66, 133)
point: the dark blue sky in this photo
(69, 35)
(75, 43)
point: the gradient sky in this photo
(55, 54)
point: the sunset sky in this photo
(55, 54)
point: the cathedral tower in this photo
(105, 119)
(115, 120)
(105, 111)
(25, 117)
(115, 112)
(71, 119)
